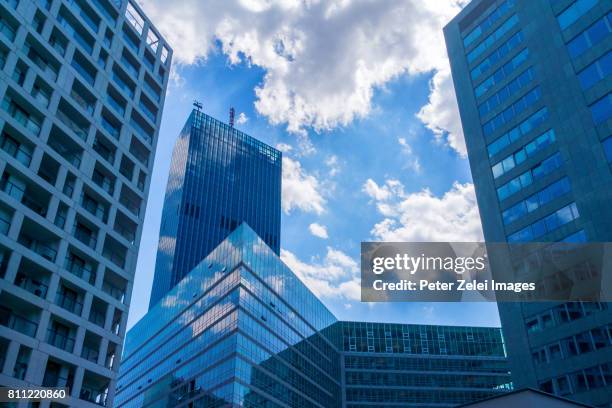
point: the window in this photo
(569, 16)
(502, 73)
(512, 111)
(547, 224)
(525, 179)
(607, 145)
(493, 38)
(535, 201)
(602, 109)
(497, 55)
(590, 37)
(488, 22)
(595, 72)
(518, 157)
(506, 92)
(517, 132)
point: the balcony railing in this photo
(152, 91)
(18, 323)
(21, 117)
(79, 269)
(103, 151)
(97, 317)
(39, 247)
(92, 395)
(90, 354)
(141, 131)
(60, 340)
(87, 237)
(56, 380)
(18, 152)
(110, 128)
(93, 207)
(113, 290)
(132, 205)
(118, 108)
(87, 76)
(72, 125)
(82, 102)
(34, 205)
(7, 30)
(13, 190)
(115, 257)
(74, 33)
(85, 17)
(5, 225)
(131, 68)
(123, 85)
(68, 303)
(145, 109)
(31, 285)
(104, 182)
(126, 232)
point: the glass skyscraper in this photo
(242, 329)
(533, 84)
(82, 87)
(219, 177)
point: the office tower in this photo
(219, 177)
(82, 85)
(242, 329)
(533, 84)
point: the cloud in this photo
(333, 277)
(422, 216)
(323, 60)
(333, 164)
(412, 161)
(441, 114)
(300, 190)
(242, 119)
(318, 230)
(284, 147)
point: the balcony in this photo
(35, 204)
(60, 340)
(97, 317)
(125, 232)
(41, 248)
(69, 303)
(7, 30)
(56, 380)
(129, 90)
(75, 34)
(19, 371)
(132, 204)
(76, 7)
(106, 153)
(5, 226)
(85, 235)
(42, 63)
(152, 91)
(31, 285)
(89, 77)
(145, 134)
(90, 354)
(80, 268)
(16, 150)
(13, 321)
(89, 107)
(110, 128)
(104, 182)
(93, 207)
(148, 112)
(114, 291)
(92, 395)
(116, 105)
(129, 67)
(81, 132)
(21, 115)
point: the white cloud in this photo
(336, 276)
(284, 147)
(242, 119)
(423, 216)
(412, 161)
(300, 189)
(333, 164)
(318, 230)
(323, 60)
(441, 114)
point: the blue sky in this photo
(366, 149)
(360, 162)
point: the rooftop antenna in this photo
(197, 105)
(232, 113)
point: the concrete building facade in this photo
(533, 83)
(82, 88)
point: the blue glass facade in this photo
(219, 177)
(242, 329)
(541, 167)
